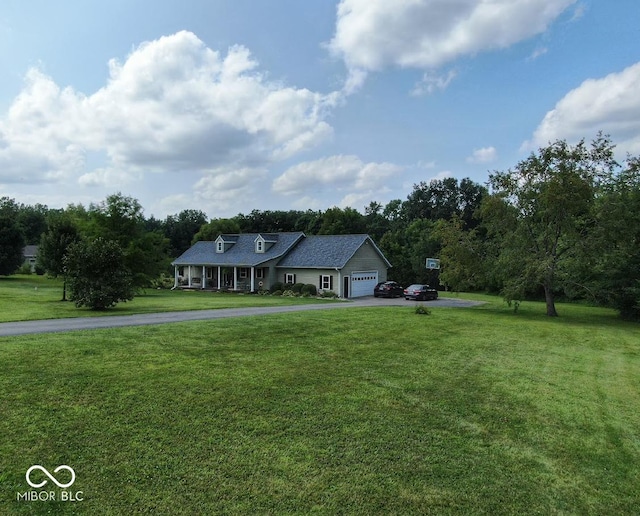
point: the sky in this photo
(227, 106)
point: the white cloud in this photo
(372, 35)
(538, 52)
(226, 188)
(342, 173)
(483, 155)
(173, 105)
(441, 175)
(610, 104)
(431, 82)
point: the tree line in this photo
(562, 223)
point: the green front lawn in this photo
(26, 298)
(365, 411)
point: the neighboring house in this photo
(349, 265)
(30, 255)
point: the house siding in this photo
(366, 258)
(310, 276)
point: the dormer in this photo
(225, 242)
(264, 242)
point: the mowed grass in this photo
(358, 411)
(31, 297)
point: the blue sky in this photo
(233, 105)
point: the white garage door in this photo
(362, 283)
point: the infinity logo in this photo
(61, 486)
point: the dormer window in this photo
(219, 246)
(264, 242)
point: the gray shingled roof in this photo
(241, 254)
(326, 251)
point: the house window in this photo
(289, 278)
(244, 273)
(259, 273)
(209, 273)
(259, 246)
(326, 282)
(220, 247)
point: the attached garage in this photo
(362, 283)
(348, 265)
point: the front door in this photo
(345, 287)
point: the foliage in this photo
(422, 310)
(338, 221)
(60, 234)
(32, 221)
(463, 256)
(211, 230)
(278, 285)
(11, 237)
(611, 262)
(120, 219)
(97, 274)
(309, 289)
(546, 202)
(180, 230)
(274, 221)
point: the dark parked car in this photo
(388, 289)
(420, 292)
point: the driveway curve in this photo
(10, 329)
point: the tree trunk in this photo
(550, 300)
(64, 290)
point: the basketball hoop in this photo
(432, 263)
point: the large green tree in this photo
(543, 207)
(11, 237)
(214, 228)
(181, 228)
(609, 266)
(54, 244)
(120, 218)
(98, 277)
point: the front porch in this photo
(218, 278)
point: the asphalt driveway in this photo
(91, 323)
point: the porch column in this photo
(235, 278)
(219, 279)
(189, 276)
(204, 277)
(253, 279)
(175, 276)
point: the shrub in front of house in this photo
(297, 287)
(290, 293)
(328, 293)
(309, 290)
(25, 268)
(276, 293)
(163, 282)
(278, 285)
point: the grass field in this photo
(359, 411)
(26, 298)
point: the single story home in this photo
(349, 265)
